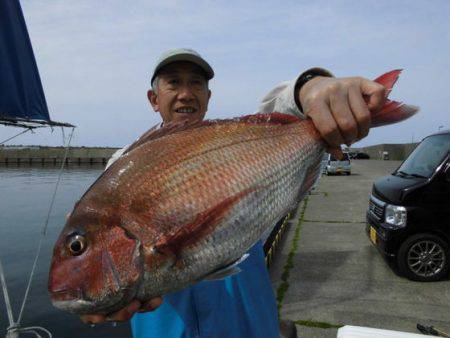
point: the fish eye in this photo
(76, 245)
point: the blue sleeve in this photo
(238, 306)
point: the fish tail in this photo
(392, 111)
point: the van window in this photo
(424, 160)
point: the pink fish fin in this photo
(389, 79)
(392, 111)
(172, 128)
(203, 224)
(272, 118)
(150, 134)
(170, 251)
(155, 133)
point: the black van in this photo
(408, 218)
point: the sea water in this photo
(25, 196)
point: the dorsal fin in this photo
(273, 118)
(172, 128)
(155, 133)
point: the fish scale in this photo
(234, 232)
(185, 201)
(169, 188)
(250, 175)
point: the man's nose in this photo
(185, 93)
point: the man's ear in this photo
(153, 98)
(207, 101)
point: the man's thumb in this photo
(374, 94)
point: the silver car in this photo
(334, 166)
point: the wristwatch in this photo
(305, 77)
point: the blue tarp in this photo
(21, 93)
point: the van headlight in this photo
(395, 215)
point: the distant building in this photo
(394, 152)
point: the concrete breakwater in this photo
(395, 152)
(39, 155)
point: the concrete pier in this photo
(38, 155)
(327, 273)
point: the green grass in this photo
(284, 285)
(321, 325)
(315, 221)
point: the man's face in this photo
(182, 93)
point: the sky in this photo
(95, 57)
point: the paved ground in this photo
(338, 277)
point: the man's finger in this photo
(344, 117)
(375, 93)
(324, 122)
(151, 305)
(93, 319)
(360, 111)
(336, 153)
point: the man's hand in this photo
(124, 314)
(340, 107)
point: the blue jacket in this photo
(239, 306)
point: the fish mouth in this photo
(75, 301)
(71, 300)
(66, 294)
(76, 306)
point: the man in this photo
(242, 305)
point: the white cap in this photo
(183, 54)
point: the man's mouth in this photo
(186, 110)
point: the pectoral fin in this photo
(202, 225)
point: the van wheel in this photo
(424, 258)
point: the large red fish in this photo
(184, 204)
